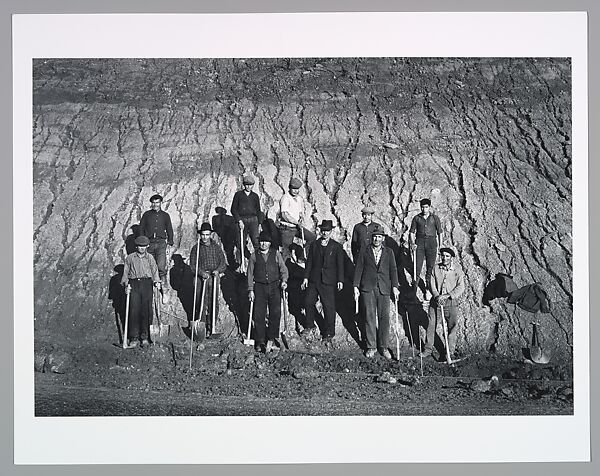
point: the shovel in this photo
(125, 345)
(284, 304)
(213, 334)
(247, 340)
(156, 327)
(445, 329)
(535, 351)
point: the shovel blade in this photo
(538, 355)
(248, 341)
(199, 330)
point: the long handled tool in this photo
(213, 334)
(195, 328)
(412, 343)
(537, 354)
(194, 305)
(397, 332)
(414, 260)
(448, 359)
(155, 327)
(303, 242)
(284, 305)
(243, 268)
(125, 344)
(247, 340)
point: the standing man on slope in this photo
(425, 233)
(375, 279)
(361, 234)
(292, 218)
(447, 285)
(211, 263)
(245, 209)
(323, 276)
(139, 274)
(156, 225)
(267, 278)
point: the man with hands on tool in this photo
(375, 279)
(267, 279)
(447, 285)
(211, 264)
(139, 274)
(245, 209)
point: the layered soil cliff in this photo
(488, 140)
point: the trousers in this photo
(266, 295)
(287, 235)
(158, 249)
(426, 251)
(251, 228)
(435, 316)
(376, 309)
(140, 308)
(205, 314)
(327, 294)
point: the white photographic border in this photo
(325, 439)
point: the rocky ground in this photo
(488, 140)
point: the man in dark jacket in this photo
(324, 275)
(156, 225)
(267, 277)
(361, 234)
(245, 209)
(375, 279)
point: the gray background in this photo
(8, 7)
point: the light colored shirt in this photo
(447, 280)
(140, 266)
(377, 253)
(293, 206)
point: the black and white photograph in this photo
(310, 235)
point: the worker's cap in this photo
(264, 236)
(205, 227)
(425, 201)
(142, 241)
(450, 251)
(295, 183)
(378, 230)
(248, 180)
(367, 210)
(156, 196)
(326, 225)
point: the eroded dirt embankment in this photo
(488, 140)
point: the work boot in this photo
(370, 353)
(270, 346)
(260, 348)
(308, 332)
(386, 354)
(145, 343)
(133, 343)
(425, 353)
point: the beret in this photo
(378, 230)
(450, 251)
(295, 183)
(142, 241)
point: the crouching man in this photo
(375, 279)
(447, 285)
(267, 278)
(139, 275)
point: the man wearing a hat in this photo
(211, 262)
(425, 233)
(447, 285)
(323, 276)
(361, 234)
(156, 225)
(292, 218)
(139, 274)
(245, 209)
(375, 282)
(267, 278)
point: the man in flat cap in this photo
(361, 234)
(447, 285)
(245, 209)
(156, 225)
(425, 233)
(323, 276)
(211, 263)
(267, 278)
(375, 282)
(292, 218)
(139, 275)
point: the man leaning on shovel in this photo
(139, 275)
(447, 285)
(211, 263)
(267, 278)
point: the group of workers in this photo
(299, 262)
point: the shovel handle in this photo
(126, 320)
(250, 318)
